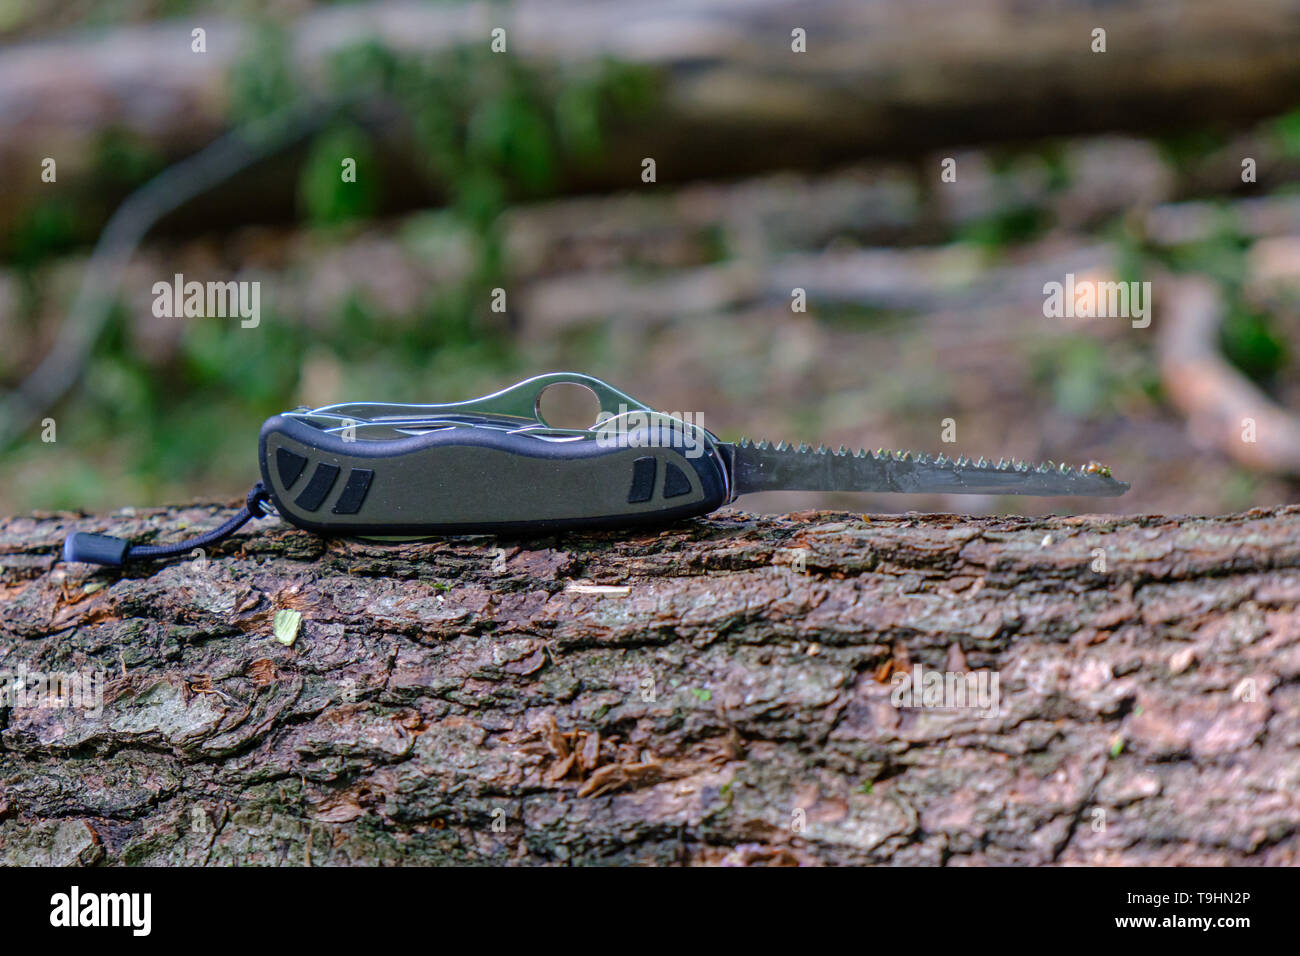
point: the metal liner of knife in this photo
(494, 465)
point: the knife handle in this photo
(472, 480)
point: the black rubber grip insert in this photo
(354, 492)
(676, 483)
(322, 480)
(643, 480)
(289, 465)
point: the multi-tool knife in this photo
(495, 465)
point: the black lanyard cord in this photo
(114, 552)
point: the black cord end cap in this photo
(95, 549)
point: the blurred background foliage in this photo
(382, 288)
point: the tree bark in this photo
(717, 692)
(734, 97)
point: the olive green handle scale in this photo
(456, 480)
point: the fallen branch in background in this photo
(1224, 410)
(733, 97)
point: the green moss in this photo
(126, 161)
(324, 195)
(1185, 150)
(1081, 374)
(261, 82)
(1287, 130)
(1251, 343)
(1222, 256)
(49, 228)
(1005, 227)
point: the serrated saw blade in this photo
(760, 466)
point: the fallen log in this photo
(723, 691)
(733, 95)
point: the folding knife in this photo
(494, 465)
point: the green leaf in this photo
(286, 626)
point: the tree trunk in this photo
(718, 692)
(734, 97)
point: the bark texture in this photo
(718, 692)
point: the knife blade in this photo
(761, 466)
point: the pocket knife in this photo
(494, 465)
